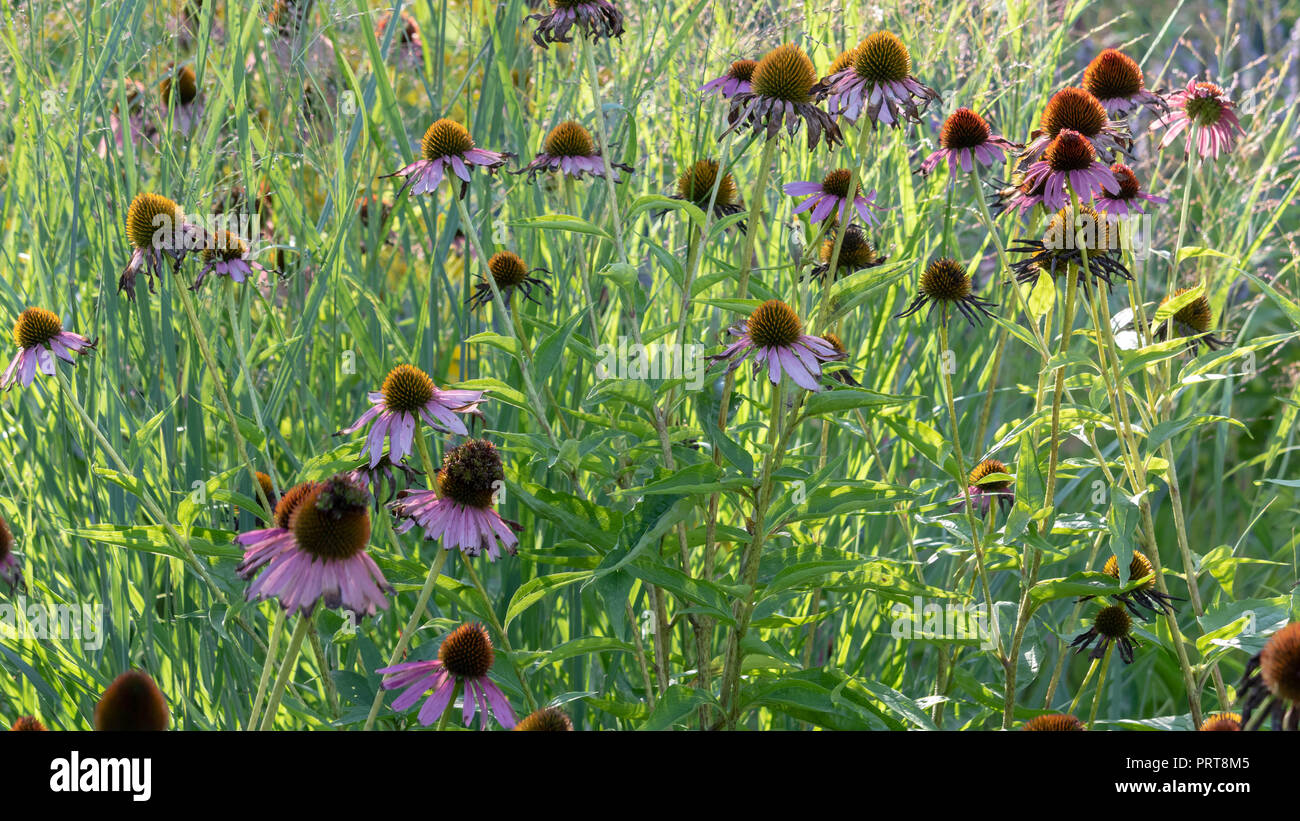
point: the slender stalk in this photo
(1083, 685)
(1101, 684)
(277, 627)
(286, 671)
(589, 55)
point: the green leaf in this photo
(532, 591)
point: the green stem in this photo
(286, 671)
(277, 627)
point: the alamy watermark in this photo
(653, 361)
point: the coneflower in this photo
(945, 282)
(985, 491)
(461, 511)
(408, 396)
(1221, 723)
(856, 253)
(774, 335)
(1192, 321)
(132, 702)
(446, 144)
(593, 18)
(695, 185)
(40, 337)
(11, 572)
(157, 229)
(465, 658)
(840, 373)
(966, 139)
(1208, 116)
(382, 479)
(570, 149)
(842, 61)
(830, 198)
(27, 724)
(509, 272)
(781, 95)
(225, 254)
(408, 46)
(1054, 723)
(1069, 158)
(737, 79)
(879, 81)
(1115, 79)
(1075, 109)
(179, 92)
(1130, 196)
(316, 551)
(1139, 567)
(546, 719)
(1064, 242)
(133, 124)
(1270, 687)
(1111, 625)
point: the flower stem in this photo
(1101, 684)
(286, 670)
(277, 628)
(590, 56)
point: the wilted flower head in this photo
(40, 337)
(945, 282)
(179, 92)
(1145, 596)
(509, 272)
(465, 658)
(1064, 242)
(594, 19)
(1193, 321)
(781, 94)
(985, 488)
(1075, 109)
(446, 144)
(840, 372)
(1111, 625)
(856, 253)
(382, 478)
(967, 139)
(225, 254)
(408, 46)
(774, 334)
(696, 185)
(1115, 79)
(407, 396)
(461, 512)
(1204, 111)
(830, 198)
(1270, 687)
(878, 81)
(1130, 196)
(156, 228)
(737, 79)
(132, 702)
(11, 572)
(570, 149)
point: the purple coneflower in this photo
(227, 255)
(1075, 109)
(465, 657)
(735, 81)
(316, 551)
(545, 719)
(460, 512)
(446, 144)
(28, 724)
(830, 198)
(407, 396)
(408, 46)
(782, 94)
(695, 185)
(945, 282)
(1115, 79)
(966, 138)
(1065, 241)
(985, 491)
(594, 18)
(132, 702)
(1270, 686)
(840, 373)
(510, 273)
(40, 337)
(878, 81)
(180, 97)
(774, 334)
(1194, 321)
(11, 572)
(1069, 158)
(570, 149)
(157, 229)
(1128, 200)
(1206, 110)
(856, 253)
(382, 479)
(135, 125)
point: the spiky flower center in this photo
(1112, 74)
(224, 246)
(785, 73)
(742, 70)
(1128, 181)
(1222, 723)
(774, 325)
(695, 185)
(1056, 722)
(842, 62)
(406, 389)
(27, 724)
(547, 719)
(507, 269)
(1113, 622)
(131, 702)
(945, 280)
(569, 139)
(837, 182)
(1139, 567)
(1091, 231)
(964, 129)
(835, 342)
(1280, 663)
(1204, 106)
(1075, 109)
(266, 485)
(445, 138)
(1070, 151)
(467, 651)
(146, 215)
(882, 58)
(1195, 314)
(180, 88)
(290, 500)
(332, 521)
(987, 468)
(36, 326)
(471, 473)
(856, 252)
